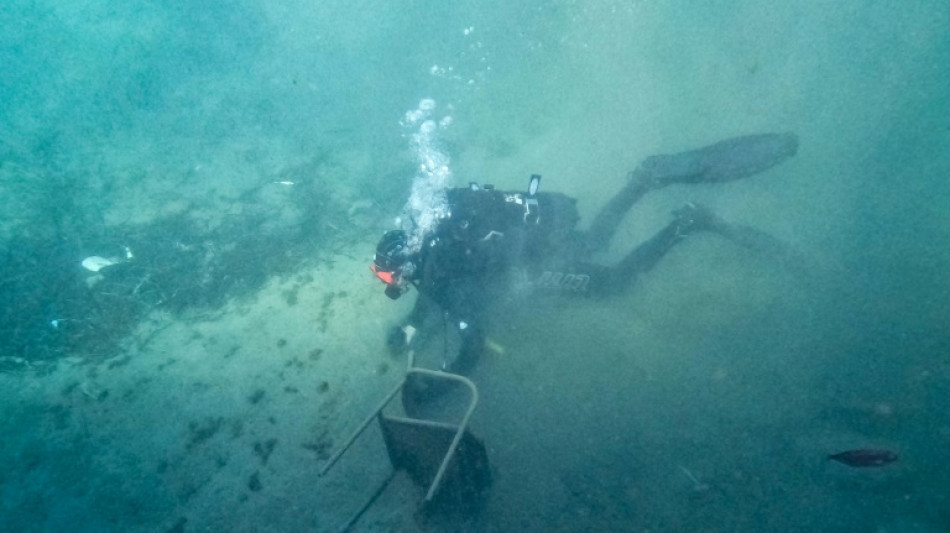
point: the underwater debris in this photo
(698, 486)
(178, 266)
(95, 263)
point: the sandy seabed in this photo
(591, 414)
(203, 422)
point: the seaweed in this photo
(52, 308)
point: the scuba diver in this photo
(492, 242)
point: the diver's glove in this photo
(398, 339)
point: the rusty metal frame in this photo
(460, 428)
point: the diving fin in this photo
(727, 160)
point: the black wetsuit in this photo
(496, 241)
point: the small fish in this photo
(860, 458)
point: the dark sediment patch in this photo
(202, 431)
(264, 449)
(55, 308)
(254, 482)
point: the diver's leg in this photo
(692, 218)
(645, 256)
(689, 219)
(762, 243)
(726, 160)
(695, 217)
(605, 223)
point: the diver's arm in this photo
(473, 344)
(465, 309)
(399, 338)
